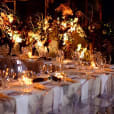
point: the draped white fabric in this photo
(43, 102)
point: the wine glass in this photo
(5, 77)
(40, 69)
(60, 58)
(102, 63)
(49, 69)
(45, 68)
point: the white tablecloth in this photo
(42, 102)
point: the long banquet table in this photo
(58, 95)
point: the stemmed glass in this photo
(5, 77)
(49, 69)
(60, 58)
(101, 62)
(42, 68)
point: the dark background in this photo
(31, 7)
(108, 10)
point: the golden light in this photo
(83, 52)
(1, 21)
(46, 24)
(73, 28)
(79, 46)
(6, 73)
(75, 20)
(93, 64)
(10, 33)
(66, 10)
(26, 80)
(80, 31)
(17, 39)
(59, 75)
(3, 15)
(10, 17)
(34, 36)
(65, 36)
(64, 24)
(29, 54)
(40, 44)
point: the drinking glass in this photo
(60, 58)
(41, 69)
(49, 69)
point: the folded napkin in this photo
(70, 80)
(39, 86)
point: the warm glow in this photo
(64, 24)
(66, 10)
(10, 17)
(33, 35)
(73, 28)
(80, 31)
(93, 64)
(46, 24)
(16, 37)
(1, 21)
(26, 80)
(40, 44)
(79, 46)
(83, 53)
(75, 20)
(65, 36)
(59, 75)
(29, 54)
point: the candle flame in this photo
(79, 46)
(10, 17)
(29, 54)
(81, 51)
(59, 75)
(26, 80)
(93, 64)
